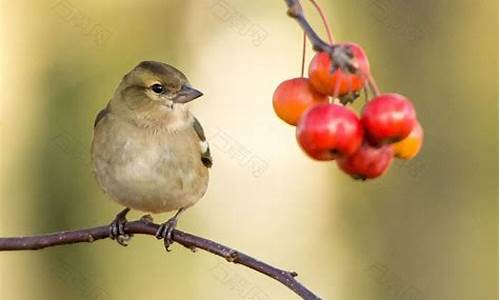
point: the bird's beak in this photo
(187, 94)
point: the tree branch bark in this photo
(141, 227)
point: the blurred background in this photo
(426, 230)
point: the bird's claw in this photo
(117, 229)
(165, 232)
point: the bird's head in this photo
(154, 86)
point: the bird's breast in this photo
(153, 171)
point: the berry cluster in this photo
(327, 129)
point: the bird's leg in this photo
(165, 230)
(117, 228)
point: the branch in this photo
(141, 227)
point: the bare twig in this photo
(140, 227)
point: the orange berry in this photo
(411, 145)
(293, 97)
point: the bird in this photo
(149, 152)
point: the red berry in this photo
(339, 81)
(388, 118)
(327, 131)
(368, 162)
(293, 97)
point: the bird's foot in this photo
(165, 232)
(117, 228)
(166, 229)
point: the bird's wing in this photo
(101, 115)
(206, 157)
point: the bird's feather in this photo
(206, 157)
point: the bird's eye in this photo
(157, 88)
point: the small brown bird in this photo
(149, 152)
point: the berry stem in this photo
(373, 84)
(304, 43)
(370, 84)
(325, 21)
